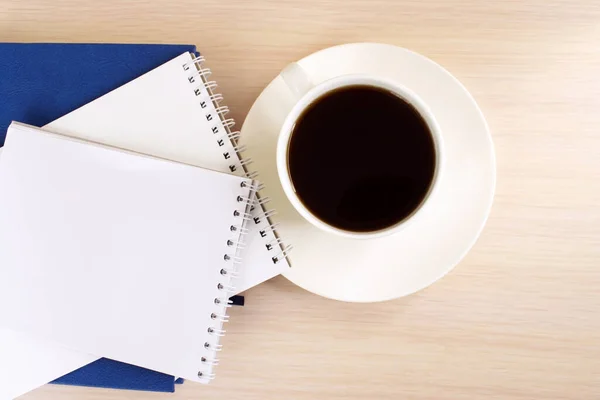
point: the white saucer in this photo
(394, 266)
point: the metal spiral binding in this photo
(229, 138)
(204, 72)
(228, 288)
(261, 202)
(246, 161)
(266, 215)
(234, 260)
(234, 135)
(228, 123)
(282, 254)
(216, 98)
(210, 377)
(235, 243)
(213, 362)
(256, 188)
(240, 148)
(252, 175)
(229, 272)
(244, 216)
(215, 347)
(273, 243)
(197, 71)
(216, 332)
(220, 318)
(210, 85)
(242, 199)
(242, 230)
(269, 214)
(198, 60)
(223, 302)
(222, 110)
(270, 228)
(231, 261)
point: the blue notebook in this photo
(42, 82)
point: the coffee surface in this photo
(361, 158)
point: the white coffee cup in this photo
(304, 93)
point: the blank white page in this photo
(112, 253)
(29, 362)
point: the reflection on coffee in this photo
(361, 159)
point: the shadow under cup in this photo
(362, 158)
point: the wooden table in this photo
(519, 318)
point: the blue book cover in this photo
(41, 82)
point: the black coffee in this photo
(361, 158)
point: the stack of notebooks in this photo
(127, 217)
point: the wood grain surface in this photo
(519, 318)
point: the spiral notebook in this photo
(109, 252)
(173, 112)
(72, 75)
